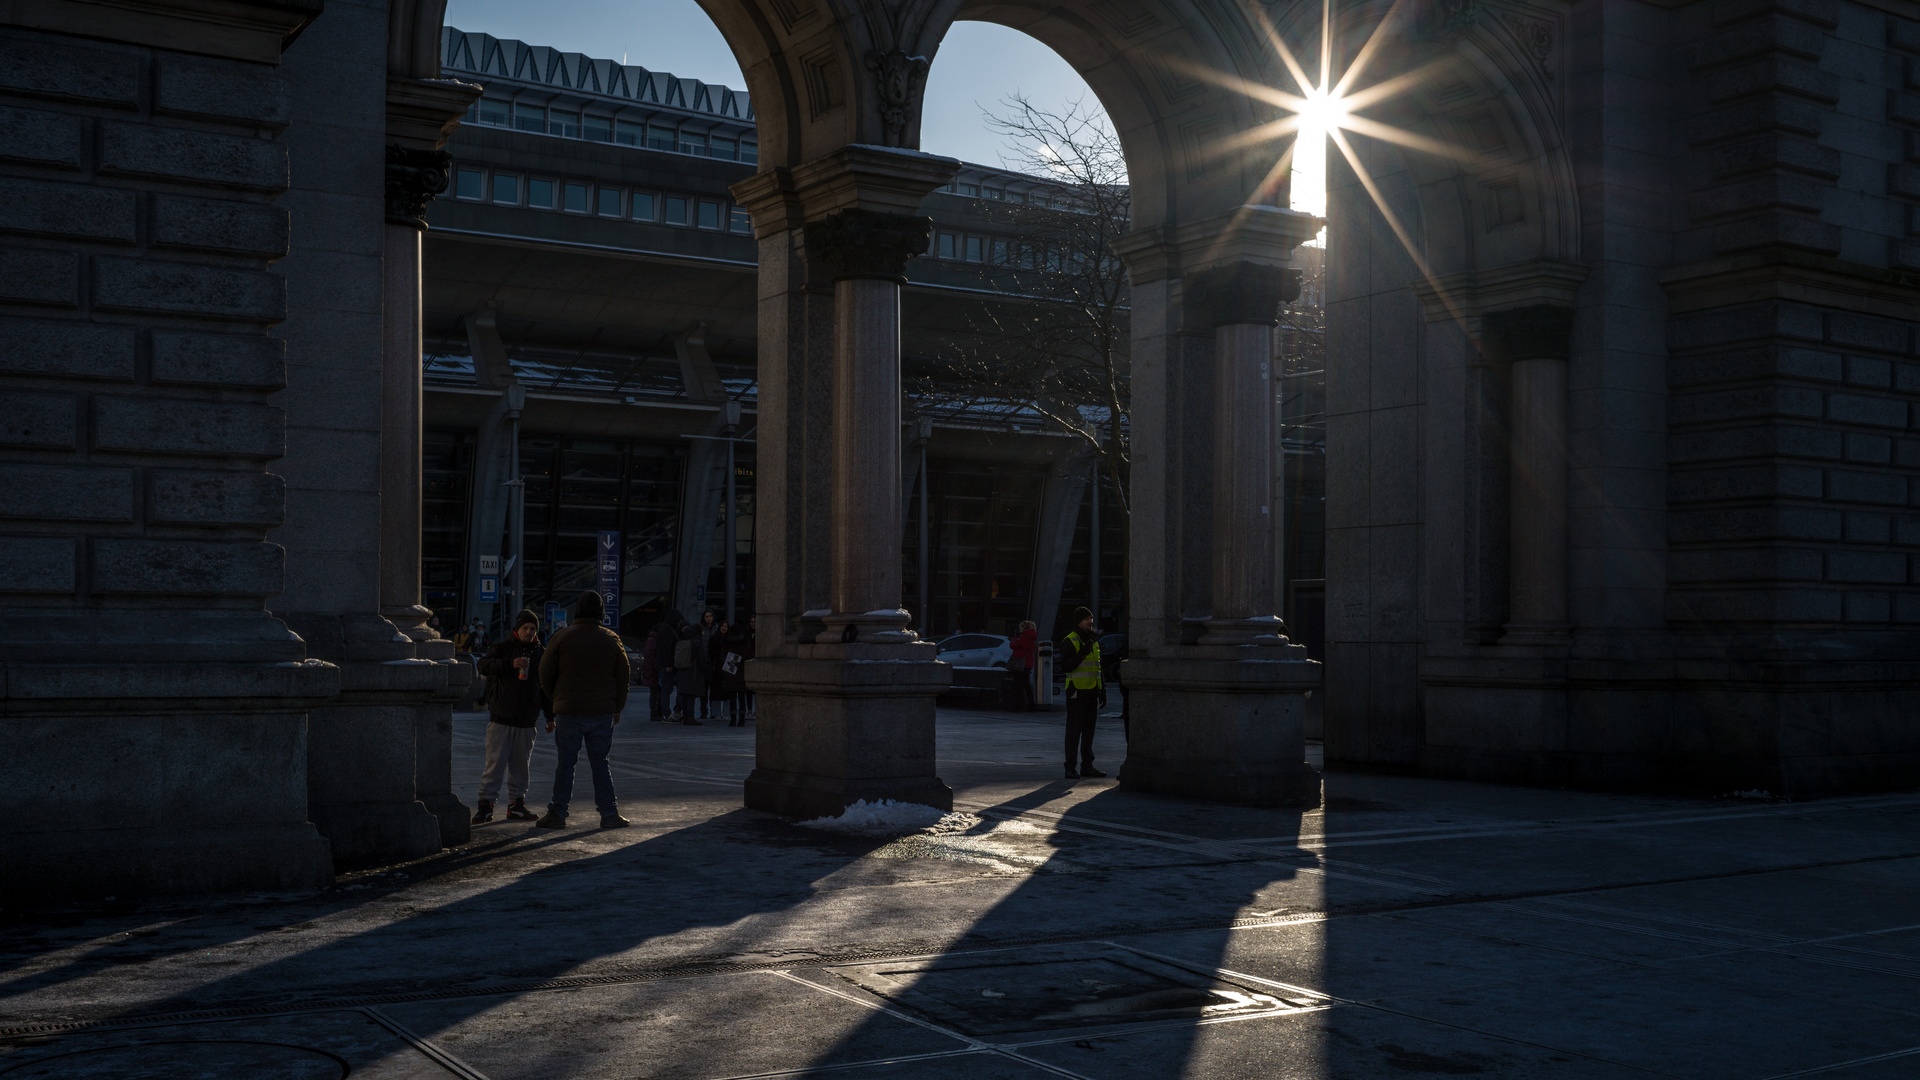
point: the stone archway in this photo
(845, 692)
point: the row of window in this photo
(1005, 251)
(573, 124)
(599, 200)
(994, 194)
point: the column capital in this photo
(414, 177)
(1256, 234)
(1470, 294)
(864, 244)
(855, 177)
(423, 113)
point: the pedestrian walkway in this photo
(1049, 928)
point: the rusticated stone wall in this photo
(153, 711)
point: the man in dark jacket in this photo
(513, 700)
(585, 675)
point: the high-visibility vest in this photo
(1087, 675)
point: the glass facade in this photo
(575, 488)
(980, 522)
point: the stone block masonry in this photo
(1794, 468)
(137, 229)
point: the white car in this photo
(976, 650)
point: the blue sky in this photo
(979, 64)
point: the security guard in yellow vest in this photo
(1086, 692)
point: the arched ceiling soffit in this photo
(1169, 74)
(1484, 94)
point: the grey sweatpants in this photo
(509, 750)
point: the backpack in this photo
(683, 654)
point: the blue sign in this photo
(607, 582)
(489, 590)
(556, 617)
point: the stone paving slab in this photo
(1429, 926)
(1334, 1044)
(725, 1025)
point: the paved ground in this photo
(1065, 929)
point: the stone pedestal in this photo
(1226, 724)
(1217, 694)
(362, 753)
(433, 779)
(188, 778)
(854, 722)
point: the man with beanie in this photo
(514, 698)
(585, 675)
(1086, 691)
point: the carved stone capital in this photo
(1239, 293)
(1538, 332)
(867, 244)
(414, 177)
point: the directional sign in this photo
(489, 590)
(607, 581)
(490, 565)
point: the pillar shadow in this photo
(543, 923)
(1042, 942)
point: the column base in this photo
(1211, 726)
(841, 723)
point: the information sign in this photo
(607, 582)
(489, 590)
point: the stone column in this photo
(1534, 343)
(421, 114)
(845, 691)
(1218, 711)
(411, 175)
(1241, 301)
(866, 253)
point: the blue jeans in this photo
(597, 733)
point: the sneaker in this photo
(517, 811)
(552, 821)
(1071, 774)
(613, 821)
(485, 813)
(1090, 772)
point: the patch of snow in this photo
(888, 817)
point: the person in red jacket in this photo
(1025, 645)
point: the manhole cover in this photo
(1046, 989)
(184, 1061)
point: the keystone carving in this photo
(414, 177)
(899, 79)
(867, 244)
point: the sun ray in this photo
(1393, 222)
